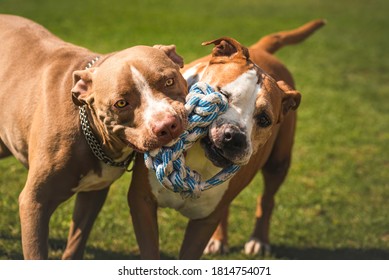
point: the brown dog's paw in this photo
(216, 247)
(256, 247)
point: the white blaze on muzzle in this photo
(242, 94)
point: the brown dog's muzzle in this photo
(167, 129)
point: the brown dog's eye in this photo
(121, 104)
(169, 82)
(263, 120)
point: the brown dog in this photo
(131, 100)
(256, 132)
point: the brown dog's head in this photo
(136, 97)
(257, 103)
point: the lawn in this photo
(334, 204)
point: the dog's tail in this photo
(271, 43)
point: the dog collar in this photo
(92, 141)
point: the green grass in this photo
(334, 204)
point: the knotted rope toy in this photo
(203, 106)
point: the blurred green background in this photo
(334, 204)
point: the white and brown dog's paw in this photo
(257, 247)
(216, 247)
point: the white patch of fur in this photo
(93, 182)
(242, 96)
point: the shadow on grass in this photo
(278, 252)
(330, 254)
(60, 244)
(294, 253)
(101, 254)
(10, 254)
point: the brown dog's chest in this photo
(94, 181)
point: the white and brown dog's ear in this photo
(82, 83)
(170, 51)
(228, 47)
(290, 100)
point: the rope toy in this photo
(203, 106)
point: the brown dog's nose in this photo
(167, 129)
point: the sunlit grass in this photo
(334, 203)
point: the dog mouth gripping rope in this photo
(203, 106)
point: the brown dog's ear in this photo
(291, 99)
(226, 46)
(82, 82)
(170, 51)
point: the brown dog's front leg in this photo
(197, 234)
(143, 210)
(34, 219)
(35, 209)
(86, 209)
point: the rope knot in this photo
(203, 106)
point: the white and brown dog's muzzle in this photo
(227, 143)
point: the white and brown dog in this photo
(256, 132)
(131, 100)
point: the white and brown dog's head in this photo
(257, 103)
(136, 97)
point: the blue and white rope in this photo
(203, 106)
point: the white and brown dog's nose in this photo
(167, 129)
(227, 144)
(233, 139)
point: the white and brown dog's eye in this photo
(169, 82)
(263, 120)
(121, 104)
(223, 93)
